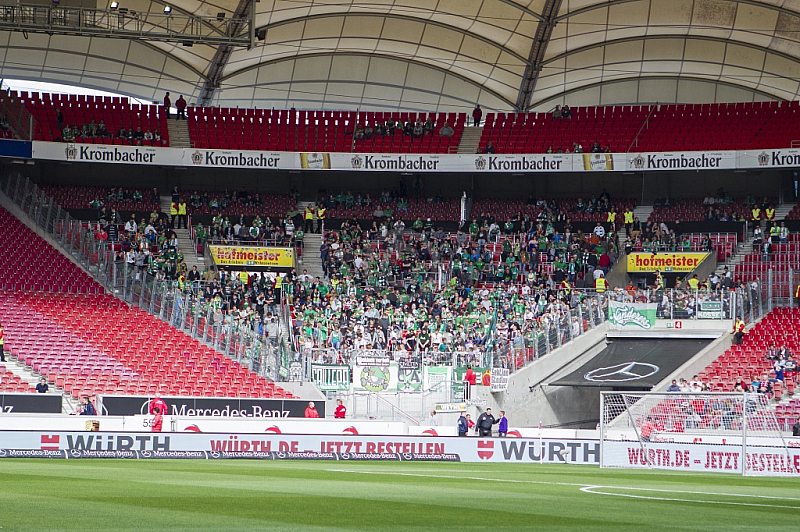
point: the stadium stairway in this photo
(470, 140)
(178, 134)
(310, 259)
(643, 212)
(185, 242)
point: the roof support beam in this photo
(538, 49)
(244, 11)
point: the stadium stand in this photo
(81, 112)
(723, 209)
(748, 362)
(574, 209)
(11, 383)
(27, 262)
(240, 203)
(123, 199)
(56, 320)
(313, 131)
(643, 128)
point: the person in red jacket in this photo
(311, 411)
(470, 378)
(180, 105)
(340, 411)
(158, 420)
(159, 403)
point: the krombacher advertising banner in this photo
(414, 162)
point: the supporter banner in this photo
(694, 160)
(632, 316)
(665, 261)
(106, 153)
(434, 375)
(260, 257)
(768, 159)
(28, 403)
(375, 378)
(499, 380)
(129, 405)
(711, 310)
(44, 444)
(701, 457)
(233, 159)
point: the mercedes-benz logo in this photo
(345, 456)
(3, 452)
(626, 371)
(214, 454)
(280, 454)
(146, 454)
(75, 452)
(408, 456)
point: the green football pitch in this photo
(238, 494)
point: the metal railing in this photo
(167, 25)
(175, 302)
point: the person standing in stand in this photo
(502, 426)
(180, 105)
(158, 420)
(159, 403)
(311, 411)
(463, 425)
(340, 411)
(485, 422)
(167, 105)
(477, 114)
(470, 378)
(2, 342)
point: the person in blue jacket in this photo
(463, 425)
(502, 428)
(86, 407)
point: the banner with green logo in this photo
(375, 378)
(631, 316)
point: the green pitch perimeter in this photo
(262, 495)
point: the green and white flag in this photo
(631, 316)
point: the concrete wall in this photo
(698, 362)
(529, 399)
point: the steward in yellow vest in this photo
(600, 285)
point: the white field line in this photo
(593, 489)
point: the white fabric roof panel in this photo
(445, 55)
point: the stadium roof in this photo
(445, 54)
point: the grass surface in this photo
(238, 494)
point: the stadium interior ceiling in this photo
(441, 55)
